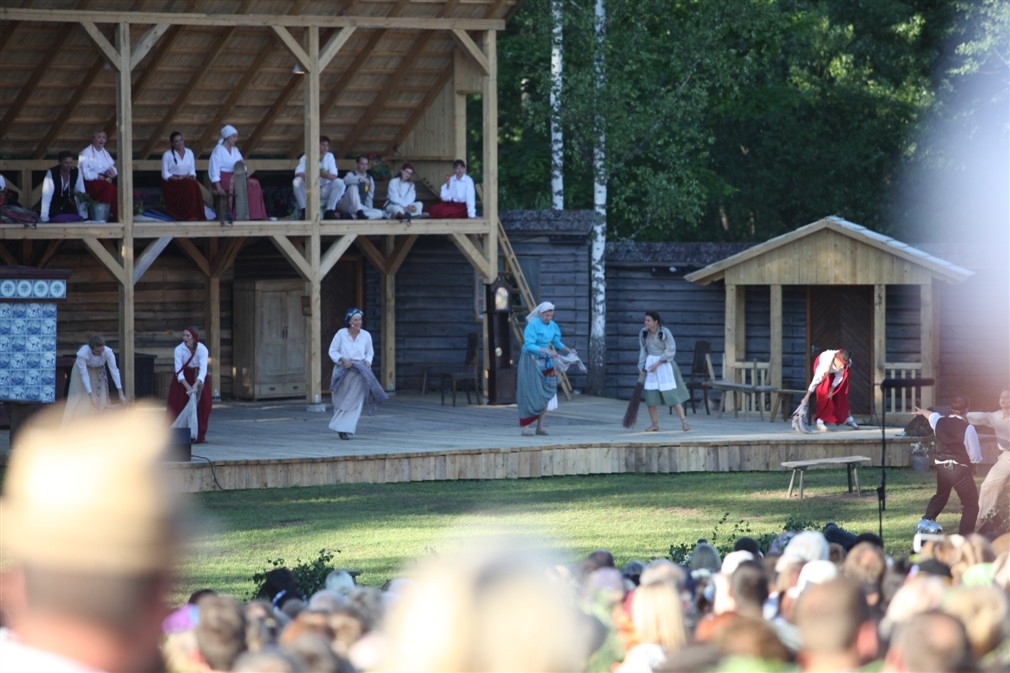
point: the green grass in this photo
(379, 529)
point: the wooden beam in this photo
(124, 133)
(333, 45)
(399, 253)
(32, 83)
(338, 89)
(371, 253)
(267, 120)
(146, 42)
(103, 43)
(7, 257)
(470, 47)
(929, 320)
(44, 147)
(775, 336)
(194, 254)
(293, 46)
(226, 257)
(49, 253)
(293, 255)
(730, 333)
(106, 258)
(253, 20)
(334, 253)
(418, 114)
(473, 255)
(388, 289)
(157, 138)
(879, 347)
(149, 256)
(489, 106)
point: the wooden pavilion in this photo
(383, 78)
(844, 272)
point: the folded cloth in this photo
(800, 418)
(563, 362)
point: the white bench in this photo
(850, 462)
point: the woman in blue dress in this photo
(538, 381)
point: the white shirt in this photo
(86, 358)
(222, 161)
(17, 656)
(326, 162)
(356, 350)
(971, 444)
(199, 360)
(172, 164)
(92, 163)
(825, 366)
(401, 193)
(461, 191)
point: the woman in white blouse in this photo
(89, 383)
(183, 198)
(220, 170)
(401, 197)
(98, 169)
(191, 378)
(352, 383)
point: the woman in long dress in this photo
(179, 187)
(221, 170)
(663, 383)
(538, 380)
(89, 383)
(191, 378)
(352, 384)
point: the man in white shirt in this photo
(331, 187)
(359, 198)
(459, 196)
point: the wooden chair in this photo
(467, 378)
(700, 375)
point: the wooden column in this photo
(775, 336)
(929, 328)
(388, 284)
(124, 135)
(313, 353)
(490, 108)
(879, 346)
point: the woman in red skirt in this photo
(191, 378)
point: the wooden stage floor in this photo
(413, 437)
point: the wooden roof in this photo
(198, 65)
(830, 251)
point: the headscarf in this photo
(351, 312)
(543, 307)
(226, 132)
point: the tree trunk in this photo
(598, 278)
(557, 137)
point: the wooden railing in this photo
(902, 400)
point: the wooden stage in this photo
(413, 437)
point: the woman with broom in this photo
(663, 383)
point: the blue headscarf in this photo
(351, 312)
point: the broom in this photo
(631, 414)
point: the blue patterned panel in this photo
(28, 340)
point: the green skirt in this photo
(668, 398)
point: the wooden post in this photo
(879, 345)
(730, 340)
(124, 134)
(389, 318)
(314, 351)
(775, 336)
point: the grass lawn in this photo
(380, 529)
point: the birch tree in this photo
(597, 267)
(557, 136)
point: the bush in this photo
(310, 575)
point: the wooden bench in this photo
(783, 398)
(850, 462)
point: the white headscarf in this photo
(535, 313)
(226, 132)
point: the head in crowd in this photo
(985, 613)
(746, 543)
(705, 557)
(93, 530)
(749, 587)
(752, 638)
(835, 627)
(459, 163)
(497, 608)
(268, 661)
(220, 631)
(657, 616)
(975, 549)
(929, 641)
(280, 586)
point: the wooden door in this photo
(841, 316)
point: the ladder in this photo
(512, 268)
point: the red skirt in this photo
(105, 192)
(178, 398)
(448, 210)
(183, 200)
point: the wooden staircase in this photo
(517, 320)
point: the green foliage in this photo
(310, 575)
(738, 119)
(681, 552)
